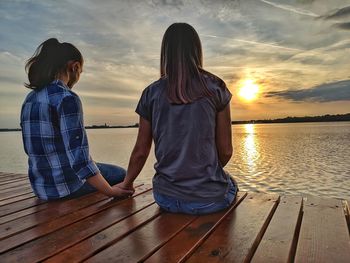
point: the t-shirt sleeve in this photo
(143, 107)
(223, 97)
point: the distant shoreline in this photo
(92, 127)
(323, 118)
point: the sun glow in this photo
(249, 90)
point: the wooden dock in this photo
(94, 228)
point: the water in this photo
(302, 158)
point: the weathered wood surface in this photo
(237, 237)
(192, 236)
(323, 235)
(94, 228)
(279, 241)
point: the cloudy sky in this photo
(296, 51)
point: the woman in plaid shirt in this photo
(53, 130)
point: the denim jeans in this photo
(173, 205)
(112, 173)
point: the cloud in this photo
(339, 13)
(305, 1)
(328, 92)
(170, 3)
(276, 42)
(291, 9)
(345, 26)
(255, 43)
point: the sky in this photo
(296, 51)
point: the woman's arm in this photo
(224, 135)
(100, 183)
(77, 148)
(139, 154)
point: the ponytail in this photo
(48, 60)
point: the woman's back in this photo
(187, 165)
(53, 131)
(187, 115)
(45, 116)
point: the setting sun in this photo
(249, 90)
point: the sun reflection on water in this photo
(250, 150)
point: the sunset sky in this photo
(296, 53)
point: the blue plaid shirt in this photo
(55, 141)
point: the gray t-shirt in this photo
(187, 166)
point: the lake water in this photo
(302, 158)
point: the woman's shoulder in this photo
(213, 80)
(221, 94)
(50, 93)
(155, 84)
(57, 92)
(154, 89)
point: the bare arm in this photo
(100, 183)
(224, 135)
(139, 154)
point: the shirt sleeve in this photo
(74, 137)
(143, 107)
(223, 97)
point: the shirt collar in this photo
(60, 83)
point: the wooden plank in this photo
(20, 184)
(110, 235)
(18, 192)
(50, 244)
(324, 235)
(11, 181)
(279, 241)
(20, 205)
(238, 235)
(141, 243)
(192, 235)
(16, 199)
(15, 189)
(2, 174)
(10, 177)
(61, 208)
(33, 205)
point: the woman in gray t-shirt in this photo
(187, 114)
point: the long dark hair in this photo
(181, 63)
(48, 60)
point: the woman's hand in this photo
(100, 183)
(125, 186)
(118, 191)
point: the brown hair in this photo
(181, 63)
(49, 59)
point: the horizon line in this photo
(135, 125)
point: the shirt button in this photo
(77, 137)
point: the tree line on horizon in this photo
(323, 118)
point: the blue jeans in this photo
(172, 205)
(112, 173)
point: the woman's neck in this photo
(63, 77)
